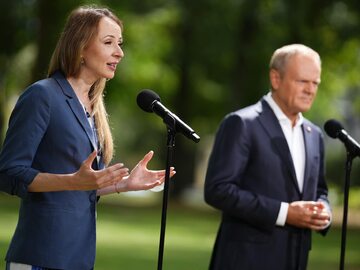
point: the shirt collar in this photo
(279, 113)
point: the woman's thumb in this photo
(90, 159)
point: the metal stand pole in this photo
(345, 211)
(169, 160)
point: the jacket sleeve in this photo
(227, 166)
(27, 125)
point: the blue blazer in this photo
(49, 132)
(250, 172)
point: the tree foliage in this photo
(204, 58)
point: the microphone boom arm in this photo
(351, 145)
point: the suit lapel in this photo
(307, 131)
(75, 106)
(277, 137)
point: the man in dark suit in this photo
(266, 172)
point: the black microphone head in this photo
(146, 98)
(333, 128)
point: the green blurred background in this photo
(204, 58)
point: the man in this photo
(266, 172)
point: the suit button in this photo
(92, 197)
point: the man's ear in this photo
(274, 79)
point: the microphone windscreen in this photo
(332, 128)
(146, 98)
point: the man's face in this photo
(296, 89)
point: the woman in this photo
(58, 147)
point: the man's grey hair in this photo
(282, 55)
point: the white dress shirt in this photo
(295, 140)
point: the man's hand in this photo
(308, 214)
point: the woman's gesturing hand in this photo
(141, 178)
(87, 179)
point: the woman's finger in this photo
(90, 159)
(147, 158)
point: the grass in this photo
(134, 234)
(128, 238)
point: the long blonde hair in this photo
(81, 27)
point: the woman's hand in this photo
(141, 178)
(84, 179)
(87, 179)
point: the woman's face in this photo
(104, 52)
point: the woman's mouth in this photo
(112, 66)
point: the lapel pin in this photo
(308, 129)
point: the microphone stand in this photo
(171, 132)
(349, 159)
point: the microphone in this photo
(335, 130)
(149, 101)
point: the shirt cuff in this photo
(328, 208)
(281, 219)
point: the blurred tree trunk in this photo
(2, 108)
(17, 25)
(184, 157)
(3, 68)
(247, 76)
(15, 19)
(52, 16)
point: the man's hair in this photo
(281, 56)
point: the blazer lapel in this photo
(307, 131)
(75, 106)
(278, 140)
(80, 115)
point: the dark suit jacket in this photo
(48, 132)
(250, 173)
